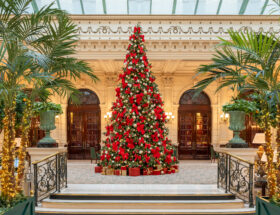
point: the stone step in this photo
(75, 196)
(143, 204)
(56, 211)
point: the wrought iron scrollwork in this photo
(235, 175)
(50, 175)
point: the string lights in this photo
(8, 169)
(25, 128)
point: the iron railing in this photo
(235, 175)
(50, 175)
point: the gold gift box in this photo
(109, 171)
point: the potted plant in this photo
(264, 206)
(47, 112)
(237, 111)
(20, 205)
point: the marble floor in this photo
(190, 172)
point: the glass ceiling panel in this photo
(254, 7)
(42, 3)
(177, 7)
(231, 7)
(139, 6)
(71, 6)
(186, 7)
(207, 6)
(93, 6)
(162, 6)
(116, 6)
(271, 8)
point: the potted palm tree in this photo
(248, 61)
(38, 55)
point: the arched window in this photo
(188, 98)
(86, 97)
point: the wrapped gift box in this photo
(145, 171)
(150, 171)
(98, 169)
(123, 171)
(156, 172)
(117, 172)
(135, 171)
(110, 171)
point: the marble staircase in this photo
(151, 199)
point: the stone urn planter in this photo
(26, 207)
(237, 124)
(47, 123)
(264, 207)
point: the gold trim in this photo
(46, 158)
(235, 156)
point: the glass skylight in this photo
(165, 7)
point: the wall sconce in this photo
(224, 117)
(107, 116)
(169, 116)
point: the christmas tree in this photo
(136, 134)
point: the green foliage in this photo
(266, 109)
(275, 200)
(6, 205)
(39, 107)
(240, 105)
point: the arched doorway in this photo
(194, 126)
(83, 124)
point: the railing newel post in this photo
(229, 174)
(251, 185)
(35, 184)
(58, 171)
(218, 171)
(226, 173)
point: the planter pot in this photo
(26, 207)
(134, 171)
(98, 169)
(237, 124)
(165, 170)
(264, 207)
(47, 123)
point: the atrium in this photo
(139, 107)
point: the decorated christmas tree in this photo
(136, 134)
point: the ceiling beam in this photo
(264, 7)
(174, 6)
(82, 6)
(58, 4)
(104, 6)
(127, 6)
(35, 6)
(243, 7)
(219, 7)
(151, 4)
(196, 6)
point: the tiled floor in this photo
(190, 172)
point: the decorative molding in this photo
(167, 81)
(167, 37)
(172, 50)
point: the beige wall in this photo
(171, 85)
